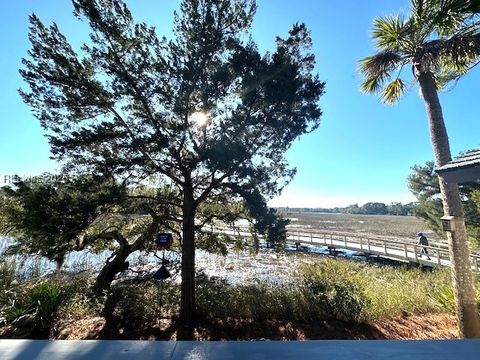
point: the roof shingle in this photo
(464, 168)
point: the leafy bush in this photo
(314, 297)
(80, 303)
(335, 292)
(260, 301)
(146, 302)
(353, 290)
(7, 283)
(329, 289)
(7, 274)
(214, 296)
(446, 297)
(43, 301)
(47, 298)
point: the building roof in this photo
(464, 168)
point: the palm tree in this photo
(438, 42)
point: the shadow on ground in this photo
(233, 329)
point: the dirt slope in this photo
(427, 326)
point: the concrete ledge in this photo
(321, 349)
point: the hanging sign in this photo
(164, 240)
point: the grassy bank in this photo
(333, 289)
(319, 290)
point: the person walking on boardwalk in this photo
(423, 241)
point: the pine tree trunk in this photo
(462, 275)
(113, 267)
(59, 261)
(187, 303)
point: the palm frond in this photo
(376, 69)
(450, 15)
(441, 37)
(444, 78)
(393, 91)
(456, 8)
(381, 63)
(459, 50)
(371, 85)
(391, 32)
(450, 71)
(423, 16)
(420, 9)
(462, 48)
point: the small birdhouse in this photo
(164, 240)
(448, 223)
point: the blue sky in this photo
(362, 151)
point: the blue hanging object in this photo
(161, 274)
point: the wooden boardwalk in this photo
(398, 249)
(393, 249)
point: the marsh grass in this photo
(260, 301)
(332, 288)
(379, 225)
(7, 274)
(322, 289)
(318, 289)
(391, 291)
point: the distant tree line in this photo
(378, 208)
(370, 208)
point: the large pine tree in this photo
(206, 112)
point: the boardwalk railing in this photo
(406, 250)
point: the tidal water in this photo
(238, 267)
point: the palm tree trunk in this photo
(462, 276)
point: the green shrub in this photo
(313, 298)
(394, 291)
(147, 301)
(446, 298)
(80, 303)
(42, 300)
(7, 274)
(260, 301)
(214, 296)
(334, 291)
(353, 290)
(8, 281)
(47, 298)
(326, 289)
